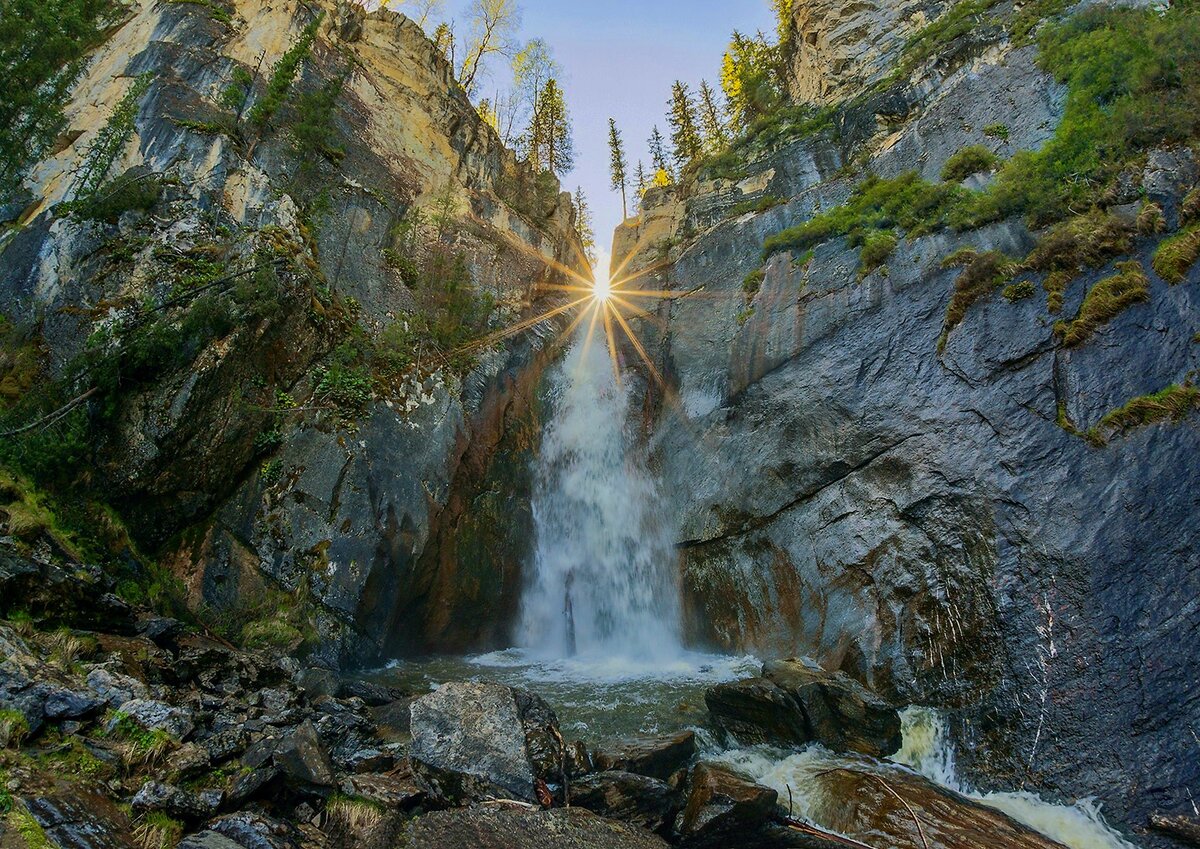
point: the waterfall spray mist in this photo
(603, 575)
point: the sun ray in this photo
(639, 312)
(637, 346)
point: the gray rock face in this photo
(81, 821)
(483, 828)
(475, 741)
(922, 521)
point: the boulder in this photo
(250, 785)
(114, 688)
(795, 702)
(656, 757)
(474, 741)
(62, 703)
(193, 805)
(393, 791)
(842, 713)
(721, 802)
(755, 711)
(81, 820)
(160, 716)
(254, 831)
(302, 760)
(866, 803)
(494, 828)
(632, 798)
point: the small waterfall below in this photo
(602, 581)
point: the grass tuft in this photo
(1018, 291)
(970, 160)
(1171, 404)
(1151, 220)
(1176, 255)
(14, 728)
(156, 830)
(982, 272)
(1107, 299)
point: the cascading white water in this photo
(603, 577)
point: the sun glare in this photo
(602, 289)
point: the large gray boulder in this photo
(796, 701)
(493, 828)
(473, 741)
(631, 798)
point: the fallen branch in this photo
(51, 418)
(812, 831)
(1186, 829)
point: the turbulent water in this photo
(602, 579)
(927, 751)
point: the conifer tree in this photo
(711, 125)
(551, 144)
(658, 153)
(42, 43)
(750, 78)
(642, 182)
(618, 167)
(685, 138)
(583, 225)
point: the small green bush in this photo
(996, 131)
(763, 204)
(283, 74)
(907, 203)
(1107, 299)
(970, 160)
(753, 282)
(1018, 291)
(876, 248)
(1176, 255)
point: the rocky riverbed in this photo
(142, 732)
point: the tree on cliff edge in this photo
(618, 166)
(493, 23)
(685, 137)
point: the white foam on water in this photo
(602, 582)
(1079, 826)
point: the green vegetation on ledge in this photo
(1107, 299)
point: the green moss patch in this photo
(1172, 404)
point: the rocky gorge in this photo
(913, 396)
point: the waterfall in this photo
(602, 582)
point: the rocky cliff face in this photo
(929, 516)
(280, 416)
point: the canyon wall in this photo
(940, 509)
(316, 459)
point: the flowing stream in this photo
(599, 630)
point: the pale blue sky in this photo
(620, 58)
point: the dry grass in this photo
(351, 815)
(1086, 241)
(1107, 299)
(1171, 404)
(1151, 220)
(1176, 255)
(157, 831)
(981, 274)
(1189, 210)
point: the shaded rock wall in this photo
(923, 521)
(343, 517)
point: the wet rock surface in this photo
(472, 742)
(656, 757)
(626, 796)
(723, 805)
(796, 702)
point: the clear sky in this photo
(620, 58)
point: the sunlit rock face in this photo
(398, 526)
(923, 520)
(838, 47)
